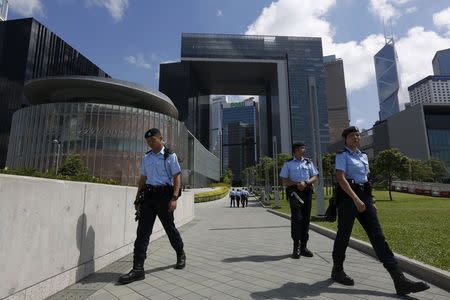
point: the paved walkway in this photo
(241, 253)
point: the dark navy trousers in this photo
(155, 204)
(347, 213)
(300, 216)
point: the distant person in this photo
(160, 184)
(354, 201)
(238, 197)
(247, 194)
(232, 197)
(298, 175)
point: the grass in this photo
(415, 226)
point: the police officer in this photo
(232, 197)
(354, 200)
(298, 175)
(160, 182)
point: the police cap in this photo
(152, 132)
(349, 130)
(297, 145)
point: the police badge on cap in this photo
(349, 130)
(152, 132)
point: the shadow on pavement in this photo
(256, 258)
(293, 291)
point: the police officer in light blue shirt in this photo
(354, 200)
(160, 183)
(298, 175)
(232, 197)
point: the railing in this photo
(422, 188)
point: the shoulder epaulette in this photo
(308, 160)
(363, 152)
(342, 151)
(290, 159)
(148, 151)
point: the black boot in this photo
(305, 251)
(405, 286)
(296, 250)
(137, 273)
(338, 275)
(181, 260)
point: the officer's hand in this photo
(172, 205)
(301, 186)
(360, 206)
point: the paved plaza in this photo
(241, 253)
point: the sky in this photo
(130, 38)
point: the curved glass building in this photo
(104, 121)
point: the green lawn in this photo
(415, 226)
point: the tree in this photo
(391, 163)
(421, 171)
(328, 168)
(74, 166)
(439, 169)
(227, 176)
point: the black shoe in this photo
(341, 277)
(305, 252)
(137, 273)
(181, 260)
(296, 251)
(405, 286)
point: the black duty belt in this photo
(159, 188)
(363, 187)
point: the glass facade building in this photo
(279, 69)
(387, 80)
(29, 50)
(441, 63)
(438, 131)
(109, 137)
(239, 140)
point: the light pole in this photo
(58, 143)
(276, 195)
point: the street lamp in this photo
(58, 143)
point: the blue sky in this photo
(130, 38)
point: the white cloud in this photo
(388, 9)
(138, 61)
(115, 7)
(27, 8)
(442, 19)
(415, 50)
(284, 18)
(411, 9)
(219, 13)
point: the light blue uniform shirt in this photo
(298, 170)
(355, 164)
(232, 193)
(157, 170)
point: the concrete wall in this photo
(54, 232)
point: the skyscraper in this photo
(215, 139)
(336, 97)
(30, 50)
(239, 137)
(441, 63)
(388, 82)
